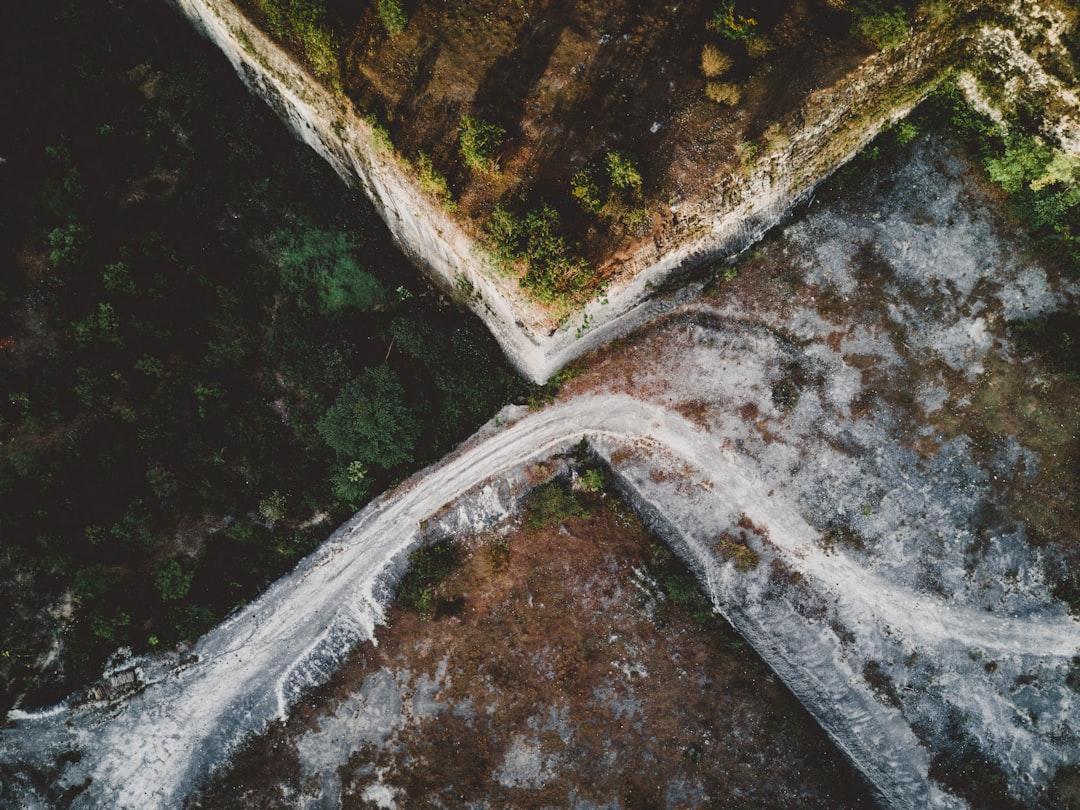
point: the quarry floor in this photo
(843, 439)
(554, 671)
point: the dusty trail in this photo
(253, 666)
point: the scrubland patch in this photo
(587, 668)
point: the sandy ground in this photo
(827, 409)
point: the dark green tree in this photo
(369, 421)
(321, 264)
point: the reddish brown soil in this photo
(561, 650)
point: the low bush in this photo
(878, 26)
(428, 567)
(725, 93)
(433, 182)
(303, 24)
(552, 275)
(392, 16)
(745, 558)
(714, 62)
(621, 171)
(585, 191)
(478, 141)
(551, 504)
(728, 23)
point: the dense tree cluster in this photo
(209, 348)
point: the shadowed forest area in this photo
(210, 352)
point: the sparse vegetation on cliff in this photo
(504, 112)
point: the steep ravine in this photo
(833, 124)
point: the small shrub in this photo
(392, 16)
(745, 558)
(380, 137)
(117, 278)
(880, 27)
(302, 23)
(839, 532)
(551, 504)
(173, 581)
(67, 244)
(162, 482)
(1024, 162)
(319, 48)
(552, 275)
(714, 62)
(592, 480)
(730, 24)
(905, 132)
(758, 47)
(433, 182)
(479, 140)
(101, 326)
(685, 592)
(272, 507)
(584, 189)
(428, 567)
(621, 171)
(785, 395)
(725, 93)
(319, 267)
(504, 229)
(350, 484)
(775, 138)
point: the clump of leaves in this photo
(840, 532)
(433, 182)
(876, 25)
(551, 504)
(303, 24)
(272, 508)
(380, 136)
(370, 421)
(714, 62)
(611, 188)
(586, 192)
(319, 267)
(727, 94)
(552, 274)
(392, 16)
(592, 480)
(744, 557)
(730, 24)
(428, 568)
(479, 140)
(621, 171)
(173, 580)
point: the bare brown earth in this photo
(555, 673)
(570, 82)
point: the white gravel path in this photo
(255, 664)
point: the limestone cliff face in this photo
(833, 124)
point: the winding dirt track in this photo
(253, 666)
